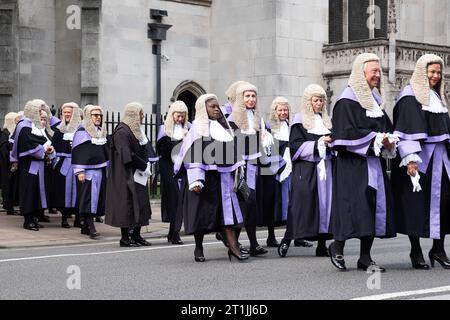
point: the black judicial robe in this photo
(29, 150)
(249, 149)
(426, 213)
(171, 187)
(309, 198)
(127, 202)
(362, 203)
(64, 180)
(272, 196)
(9, 180)
(217, 205)
(93, 159)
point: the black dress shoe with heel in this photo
(272, 243)
(439, 257)
(373, 267)
(336, 259)
(418, 262)
(240, 257)
(198, 256)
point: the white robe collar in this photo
(319, 128)
(436, 105)
(38, 132)
(376, 111)
(251, 122)
(283, 132)
(218, 132)
(177, 131)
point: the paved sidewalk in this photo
(12, 235)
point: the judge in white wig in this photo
(273, 182)
(421, 174)
(64, 183)
(311, 184)
(170, 138)
(210, 202)
(250, 131)
(362, 204)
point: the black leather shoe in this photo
(243, 249)
(95, 236)
(336, 259)
(258, 251)
(418, 262)
(45, 219)
(77, 224)
(439, 257)
(322, 252)
(12, 212)
(302, 243)
(240, 257)
(198, 256)
(65, 224)
(283, 248)
(129, 243)
(373, 267)
(176, 239)
(272, 243)
(30, 226)
(141, 241)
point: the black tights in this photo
(366, 246)
(416, 249)
(198, 252)
(271, 231)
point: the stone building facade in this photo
(98, 51)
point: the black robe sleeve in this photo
(122, 144)
(408, 116)
(28, 141)
(165, 146)
(298, 137)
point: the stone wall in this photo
(8, 57)
(127, 69)
(274, 44)
(37, 51)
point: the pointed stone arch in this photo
(188, 91)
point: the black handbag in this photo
(240, 184)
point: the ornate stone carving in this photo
(392, 17)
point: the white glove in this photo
(322, 170)
(322, 148)
(415, 182)
(288, 169)
(148, 171)
(267, 142)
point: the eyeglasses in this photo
(97, 115)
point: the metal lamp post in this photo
(157, 31)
